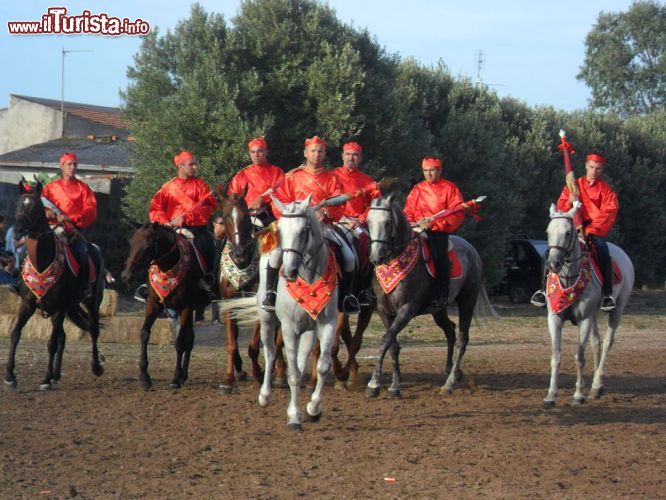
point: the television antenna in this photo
(62, 84)
(479, 66)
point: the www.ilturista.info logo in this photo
(56, 21)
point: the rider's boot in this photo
(268, 304)
(539, 297)
(350, 303)
(366, 297)
(608, 302)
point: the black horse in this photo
(63, 299)
(155, 244)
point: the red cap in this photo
(595, 157)
(352, 146)
(68, 157)
(257, 142)
(431, 161)
(182, 157)
(315, 140)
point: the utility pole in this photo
(62, 86)
(479, 65)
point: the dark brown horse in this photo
(62, 299)
(155, 244)
(239, 276)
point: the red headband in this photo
(595, 157)
(68, 157)
(257, 142)
(182, 157)
(315, 140)
(352, 146)
(431, 161)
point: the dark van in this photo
(524, 268)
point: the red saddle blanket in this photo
(313, 297)
(391, 274)
(165, 282)
(617, 274)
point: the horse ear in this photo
(576, 205)
(389, 199)
(553, 210)
(38, 188)
(279, 205)
(221, 190)
(306, 202)
(21, 185)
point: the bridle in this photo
(571, 245)
(308, 227)
(395, 249)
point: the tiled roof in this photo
(100, 114)
(88, 152)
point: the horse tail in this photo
(80, 318)
(242, 309)
(483, 309)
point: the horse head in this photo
(562, 237)
(300, 236)
(149, 242)
(29, 215)
(388, 228)
(239, 230)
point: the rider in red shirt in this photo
(257, 179)
(599, 210)
(312, 178)
(428, 197)
(187, 202)
(74, 207)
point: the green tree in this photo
(624, 65)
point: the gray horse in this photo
(390, 233)
(564, 260)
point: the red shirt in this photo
(352, 181)
(599, 208)
(301, 182)
(427, 198)
(74, 198)
(189, 197)
(257, 179)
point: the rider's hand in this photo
(572, 198)
(177, 221)
(50, 214)
(256, 204)
(352, 223)
(322, 214)
(63, 218)
(425, 223)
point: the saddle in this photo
(598, 273)
(454, 259)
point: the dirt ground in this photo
(106, 438)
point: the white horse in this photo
(564, 259)
(305, 255)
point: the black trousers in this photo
(439, 249)
(604, 260)
(203, 238)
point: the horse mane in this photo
(403, 227)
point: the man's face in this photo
(351, 159)
(218, 228)
(188, 169)
(68, 169)
(593, 170)
(314, 155)
(258, 155)
(432, 174)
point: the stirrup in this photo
(141, 293)
(350, 305)
(268, 304)
(538, 299)
(608, 303)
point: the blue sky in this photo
(531, 50)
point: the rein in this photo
(306, 261)
(568, 250)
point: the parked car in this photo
(524, 268)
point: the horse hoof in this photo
(242, 376)
(446, 390)
(45, 387)
(98, 370)
(459, 375)
(548, 404)
(294, 427)
(174, 385)
(224, 389)
(394, 393)
(280, 383)
(10, 384)
(145, 384)
(263, 401)
(340, 385)
(577, 401)
(596, 393)
(312, 418)
(371, 392)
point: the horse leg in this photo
(253, 353)
(316, 351)
(294, 378)
(405, 314)
(280, 363)
(597, 388)
(55, 353)
(449, 329)
(326, 336)
(231, 327)
(184, 343)
(394, 390)
(465, 313)
(268, 339)
(26, 310)
(355, 344)
(152, 310)
(555, 329)
(586, 326)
